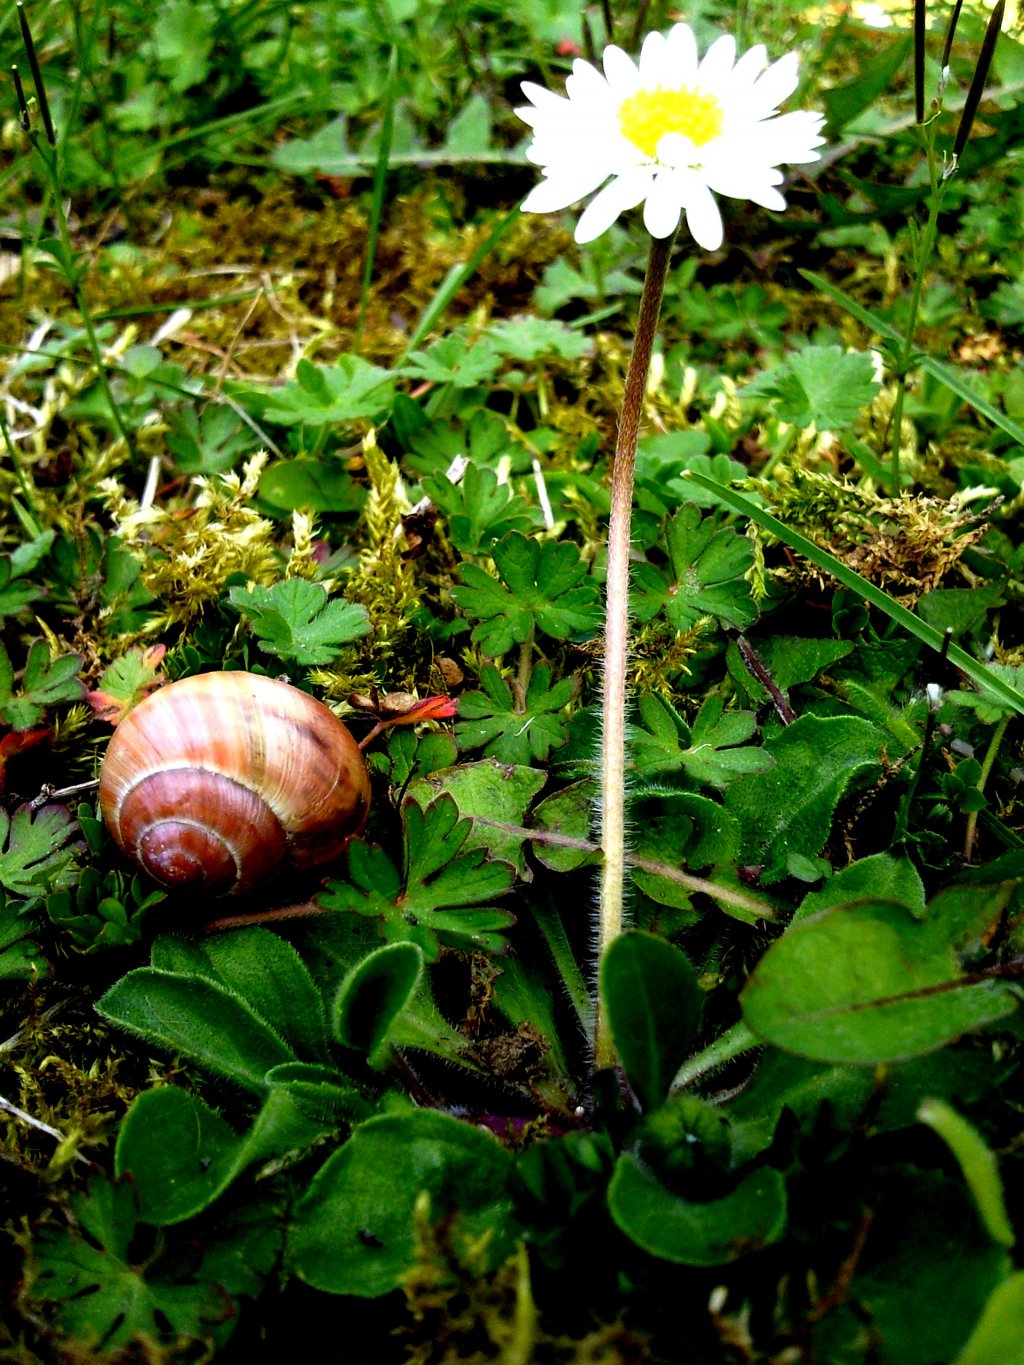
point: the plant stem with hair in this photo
(616, 635)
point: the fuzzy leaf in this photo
(706, 575)
(653, 1005)
(443, 896)
(786, 812)
(200, 1019)
(491, 719)
(355, 1230)
(294, 620)
(713, 753)
(373, 997)
(543, 585)
(867, 983)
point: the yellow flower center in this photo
(647, 116)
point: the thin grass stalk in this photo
(920, 28)
(380, 176)
(612, 831)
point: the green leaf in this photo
(786, 811)
(484, 792)
(373, 997)
(182, 1155)
(821, 386)
(200, 1019)
(183, 36)
(518, 732)
(532, 338)
(207, 441)
(293, 485)
(706, 577)
(867, 983)
(978, 1164)
(653, 1003)
(100, 1296)
(480, 510)
(710, 753)
(845, 101)
(37, 852)
(543, 585)
(21, 959)
(295, 621)
(685, 1232)
(350, 390)
(455, 360)
(44, 683)
(263, 970)
(355, 1230)
(879, 877)
(443, 895)
(999, 1332)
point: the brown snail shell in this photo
(220, 782)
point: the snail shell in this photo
(222, 781)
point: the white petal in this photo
(652, 58)
(624, 192)
(682, 52)
(718, 60)
(751, 64)
(559, 191)
(775, 85)
(620, 70)
(702, 216)
(586, 82)
(663, 206)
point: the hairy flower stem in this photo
(616, 631)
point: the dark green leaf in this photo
(866, 983)
(690, 1233)
(355, 1231)
(373, 996)
(653, 1004)
(706, 578)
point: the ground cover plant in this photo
(664, 1007)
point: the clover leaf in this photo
(823, 386)
(543, 585)
(294, 620)
(514, 731)
(480, 510)
(441, 895)
(705, 578)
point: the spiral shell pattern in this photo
(219, 782)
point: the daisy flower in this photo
(670, 132)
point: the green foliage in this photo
(37, 852)
(821, 386)
(441, 894)
(480, 510)
(515, 730)
(44, 683)
(541, 585)
(707, 567)
(354, 1232)
(349, 391)
(295, 621)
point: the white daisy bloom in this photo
(669, 132)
